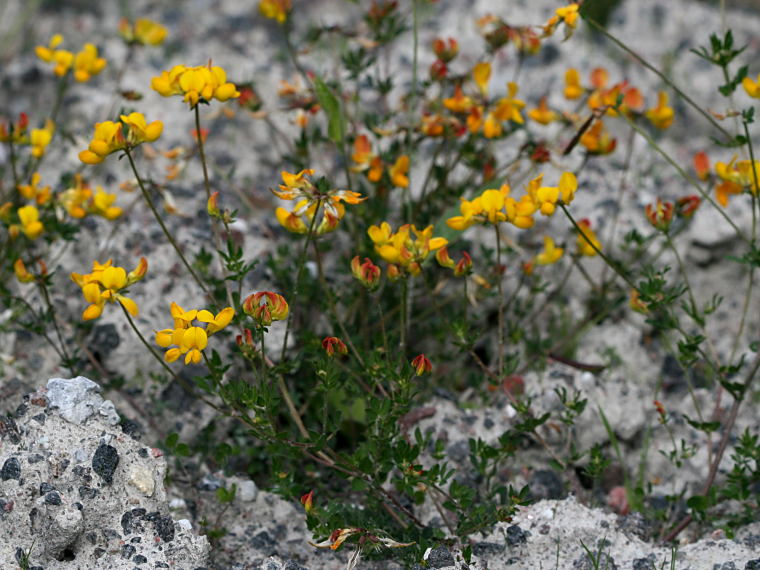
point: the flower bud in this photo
(212, 207)
(443, 258)
(686, 206)
(138, 272)
(22, 274)
(266, 307)
(463, 266)
(660, 215)
(445, 50)
(368, 273)
(307, 501)
(422, 365)
(333, 344)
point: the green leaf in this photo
(702, 426)
(336, 123)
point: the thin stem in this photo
(12, 152)
(598, 27)
(46, 297)
(216, 232)
(500, 288)
(404, 317)
(146, 343)
(598, 251)
(299, 272)
(156, 215)
(291, 407)
(721, 448)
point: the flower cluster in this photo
(196, 84)
(19, 134)
(310, 197)
(404, 252)
(275, 9)
(126, 134)
(80, 201)
(85, 63)
(104, 285)
(188, 338)
(142, 32)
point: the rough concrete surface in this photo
(78, 493)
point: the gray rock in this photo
(440, 557)
(78, 399)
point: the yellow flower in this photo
(597, 139)
(189, 339)
(109, 136)
(542, 114)
(22, 273)
(308, 196)
(566, 14)
(275, 9)
(366, 160)
(29, 216)
(585, 236)
(547, 197)
(403, 251)
(459, 103)
(104, 284)
(550, 254)
(399, 172)
(87, 63)
(661, 115)
(752, 87)
(481, 73)
(494, 207)
(143, 32)
(196, 84)
(508, 108)
(573, 88)
(492, 126)
(33, 191)
(736, 177)
(40, 138)
(63, 59)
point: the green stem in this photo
(156, 215)
(299, 272)
(598, 251)
(404, 316)
(598, 27)
(215, 230)
(499, 279)
(46, 297)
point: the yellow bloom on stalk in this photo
(661, 116)
(40, 138)
(481, 74)
(546, 198)
(29, 216)
(585, 236)
(87, 63)
(366, 160)
(266, 307)
(110, 136)
(752, 87)
(187, 338)
(104, 284)
(459, 102)
(573, 87)
(33, 190)
(402, 250)
(508, 108)
(80, 201)
(565, 14)
(196, 84)
(143, 32)
(494, 207)
(399, 172)
(550, 254)
(61, 58)
(543, 114)
(21, 272)
(275, 9)
(308, 197)
(735, 178)
(597, 139)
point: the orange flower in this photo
(368, 273)
(399, 172)
(422, 365)
(660, 215)
(333, 344)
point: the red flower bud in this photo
(333, 344)
(422, 365)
